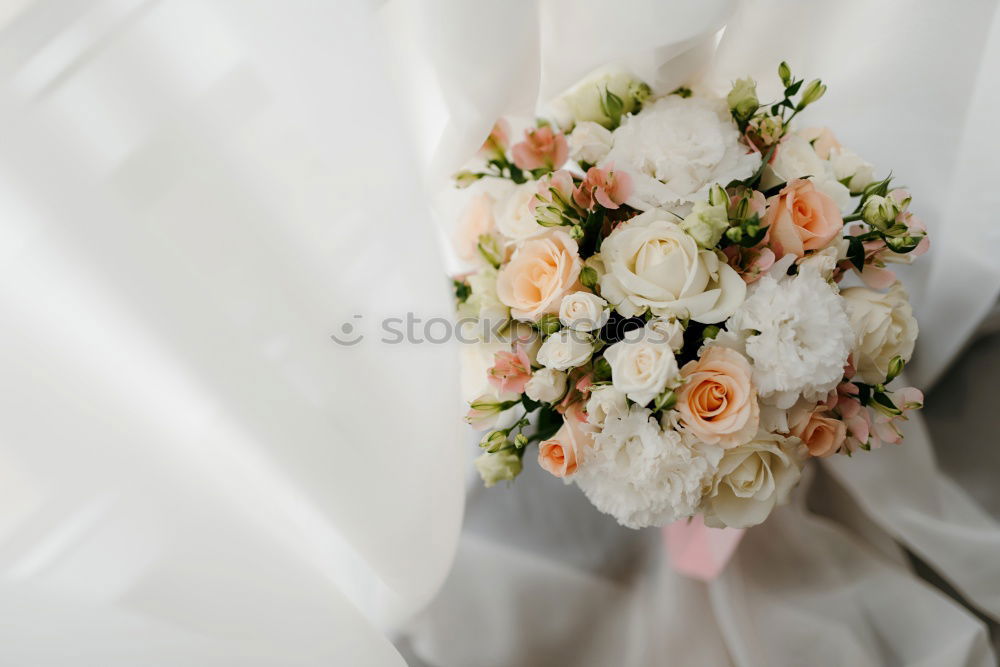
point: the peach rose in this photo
(822, 434)
(822, 139)
(560, 454)
(540, 272)
(717, 403)
(801, 218)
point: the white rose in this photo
(582, 102)
(641, 368)
(583, 311)
(515, 219)
(883, 326)
(751, 479)
(676, 149)
(605, 403)
(546, 385)
(653, 264)
(849, 166)
(566, 349)
(667, 330)
(483, 302)
(796, 158)
(589, 142)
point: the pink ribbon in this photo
(697, 551)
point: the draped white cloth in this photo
(195, 194)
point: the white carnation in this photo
(796, 332)
(677, 148)
(642, 475)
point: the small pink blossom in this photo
(542, 148)
(750, 263)
(496, 144)
(511, 370)
(607, 187)
(574, 403)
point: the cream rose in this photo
(589, 142)
(884, 327)
(515, 218)
(796, 158)
(546, 385)
(605, 403)
(641, 368)
(653, 264)
(717, 402)
(751, 479)
(583, 311)
(850, 167)
(566, 349)
(541, 271)
(667, 330)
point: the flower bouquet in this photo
(662, 294)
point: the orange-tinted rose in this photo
(801, 218)
(717, 402)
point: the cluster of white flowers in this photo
(672, 324)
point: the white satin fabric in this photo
(195, 194)
(541, 578)
(193, 197)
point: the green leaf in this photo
(549, 421)
(462, 290)
(856, 252)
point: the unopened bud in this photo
(549, 323)
(465, 178)
(814, 90)
(743, 100)
(588, 277)
(493, 441)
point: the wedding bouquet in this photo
(661, 296)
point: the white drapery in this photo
(196, 194)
